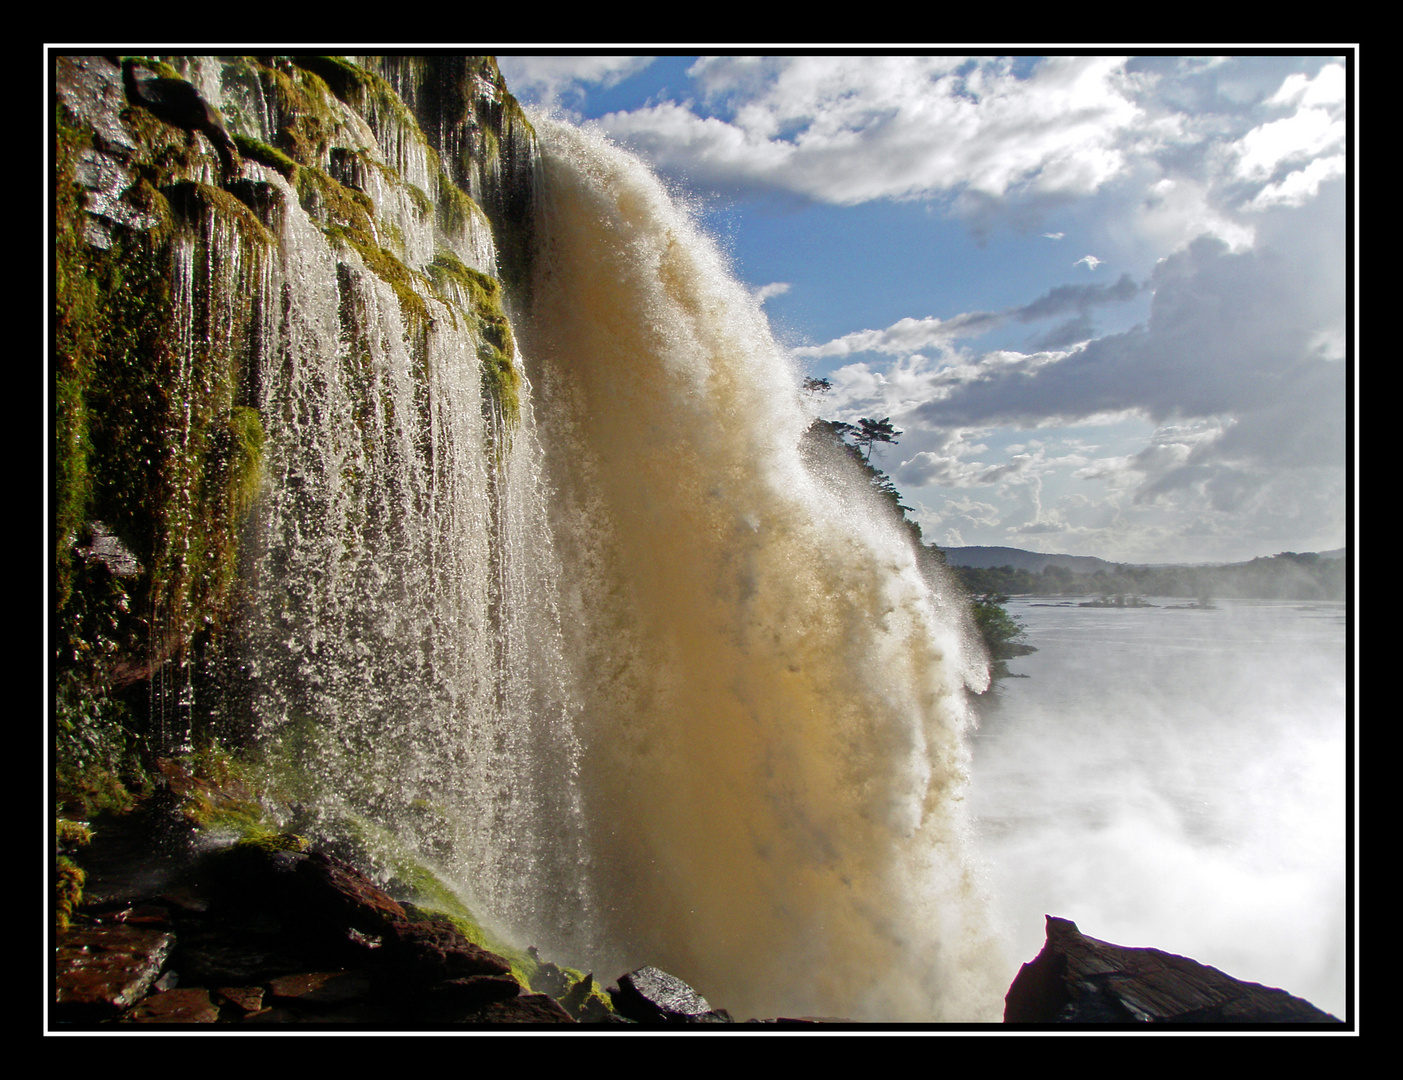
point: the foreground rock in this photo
(652, 996)
(268, 936)
(1079, 980)
(273, 935)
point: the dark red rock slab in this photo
(243, 999)
(319, 989)
(471, 993)
(330, 887)
(1077, 979)
(434, 949)
(329, 908)
(147, 915)
(103, 970)
(179, 1006)
(243, 953)
(526, 1009)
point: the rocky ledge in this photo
(274, 933)
(270, 937)
(1080, 980)
(262, 935)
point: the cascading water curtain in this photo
(774, 694)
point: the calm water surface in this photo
(1175, 779)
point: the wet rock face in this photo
(269, 936)
(652, 996)
(177, 102)
(279, 936)
(1080, 980)
(105, 969)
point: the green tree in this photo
(1004, 636)
(874, 431)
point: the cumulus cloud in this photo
(1234, 363)
(1327, 88)
(1227, 332)
(1225, 169)
(1294, 155)
(1300, 186)
(774, 288)
(1307, 134)
(547, 80)
(1064, 298)
(907, 336)
(951, 459)
(814, 125)
(1174, 209)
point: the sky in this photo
(1103, 298)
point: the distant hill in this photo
(986, 558)
(1287, 575)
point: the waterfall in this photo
(772, 693)
(400, 648)
(644, 686)
(575, 615)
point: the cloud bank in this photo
(813, 126)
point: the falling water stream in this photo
(773, 709)
(644, 685)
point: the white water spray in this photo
(632, 675)
(774, 711)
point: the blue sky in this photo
(1102, 297)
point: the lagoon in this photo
(1174, 778)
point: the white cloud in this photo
(547, 79)
(1227, 332)
(1307, 134)
(1308, 144)
(1165, 159)
(1300, 186)
(1327, 88)
(774, 288)
(970, 510)
(1175, 210)
(815, 125)
(906, 336)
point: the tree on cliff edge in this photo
(874, 431)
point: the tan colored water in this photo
(773, 712)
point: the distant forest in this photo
(1286, 576)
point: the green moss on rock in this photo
(69, 879)
(270, 156)
(302, 115)
(193, 202)
(159, 433)
(497, 346)
(157, 436)
(406, 283)
(154, 65)
(333, 205)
